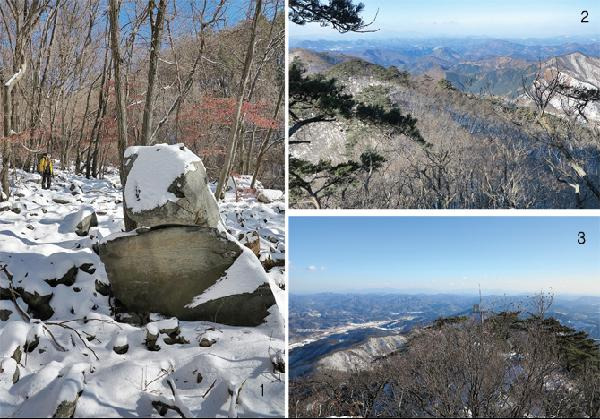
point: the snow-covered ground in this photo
(206, 369)
(361, 357)
(320, 334)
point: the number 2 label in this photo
(585, 15)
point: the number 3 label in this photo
(581, 238)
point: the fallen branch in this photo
(61, 324)
(175, 399)
(162, 374)
(85, 320)
(57, 345)
(14, 294)
(209, 389)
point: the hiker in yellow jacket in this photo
(46, 170)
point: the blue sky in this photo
(458, 18)
(445, 254)
(233, 12)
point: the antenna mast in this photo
(480, 305)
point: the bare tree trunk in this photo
(119, 88)
(246, 164)
(264, 146)
(91, 159)
(156, 27)
(120, 99)
(82, 129)
(96, 139)
(8, 104)
(26, 16)
(241, 92)
(183, 89)
(5, 144)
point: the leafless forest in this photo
(463, 150)
(83, 79)
(504, 366)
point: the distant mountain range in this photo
(490, 66)
(400, 52)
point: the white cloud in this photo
(312, 268)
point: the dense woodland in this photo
(508, 364)
(442, 148)
(365, 136)
(84, 79)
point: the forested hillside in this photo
(175, 72)
(506, 364)
(390, 139)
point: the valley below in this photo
(351, 332)
(345, 348)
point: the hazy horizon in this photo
(460, 293)
(465, 18)
(441, 255)
(416, 38)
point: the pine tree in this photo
(342, 15)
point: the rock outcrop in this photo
(167, 184)
(186, 272)
(80, 222)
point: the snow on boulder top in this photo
(72, 220)
(118, 341)
(163, 326)
(269, 195)
(153, 171)
(12, 335)
(167, 184)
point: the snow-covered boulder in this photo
(62, 198)
(18, 207)
(119, 344)
(190, 272)
(80, 222)
(58, 399)
(269, 195)
(75, 188)
(167, 184)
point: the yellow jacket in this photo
(45, 162)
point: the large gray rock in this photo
(167, 184)
(169, 270)
(80, 222)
